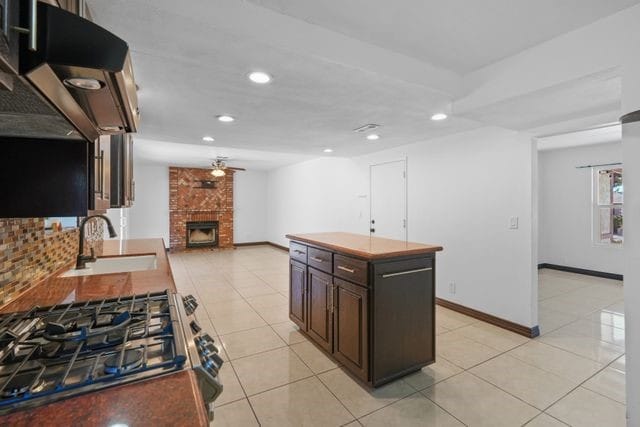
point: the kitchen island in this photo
(168, 400)
(368, 302)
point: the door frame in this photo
(405, 161)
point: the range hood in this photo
(80, 72)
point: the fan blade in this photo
(235, 169)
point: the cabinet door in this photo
(320, 323)
(297, 294)
(351, 327)
(128, 171)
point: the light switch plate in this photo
(513, 223)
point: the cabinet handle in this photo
(348, 270)
(316, 259)
(102, 174)
(298, 251)
(331, 290)
(402, 273)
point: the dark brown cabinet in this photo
(100, 175)
(297, 291)
(375, 316)
(351, 331)
(320, 303)
(121, 171)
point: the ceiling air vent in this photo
(366, 128)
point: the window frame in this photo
(596, 207)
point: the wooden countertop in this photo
(364, 246)
(169, 400)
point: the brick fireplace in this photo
(200, 216)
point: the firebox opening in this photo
(202, 234)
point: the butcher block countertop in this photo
(169, 400)
(364, 246)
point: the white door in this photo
(389, 200)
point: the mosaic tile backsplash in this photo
(28, 254)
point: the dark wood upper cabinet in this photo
(44, 177)
(121, 170)
(297, 291)
(320, 308)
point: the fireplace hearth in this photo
(201, 234)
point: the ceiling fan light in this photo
(218, 173)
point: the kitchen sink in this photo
(121, 264)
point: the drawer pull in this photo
(298, 251)
(402, 273)
(348, 270)
(316, 259)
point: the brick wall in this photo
(28, 254)
(187, 203)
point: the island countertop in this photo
(363, 246)
(169, 400)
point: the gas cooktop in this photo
(51, 353)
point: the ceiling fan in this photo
(220, 165)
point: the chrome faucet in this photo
(82, 259)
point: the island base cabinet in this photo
(351, 331)
(320, 296)
(297, 294)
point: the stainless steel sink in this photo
(121, 264)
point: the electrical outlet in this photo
(452, 288)
(513, 223)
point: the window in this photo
(608, 206)
(67, 222)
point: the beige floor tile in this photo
(232, 389)
(256, 290)
(492, 336)
(585, 408)
(246, 343)
(273, 315)
(217, 295)
(289, 332)
(266, 301)
(620, 364)
(236, 322)
(415, 410)
(441, 330)
(573, 304)
(303, 403)
(557, 361)
(246, 282)
(617, 307)
(236, 414)
(544, 420)
(550, 320)
(533, 385)
(609, 382)
(451, 319)
(359, 399)
(475, 402)
(463, 351)
(587, 328)
(606, 317)
(429, 375)
(270, 369)
(313, 357)
(586, 346)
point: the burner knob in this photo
(190, 304)
(195, 327)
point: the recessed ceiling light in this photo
(328, 150)
(208, 138)
(259, 77)
(373, 136)
(438, 116)
(225, 118)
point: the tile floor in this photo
(573, 374)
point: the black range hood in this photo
(82, 71)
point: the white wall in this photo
(565, 202)
(462, 189)
(249, 206)
(149, 215)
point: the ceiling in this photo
(334, 69)
(599, 135)
(460, 35)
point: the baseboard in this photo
(497, 321)
(275, 245)
(251, 244)
(586, 272)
